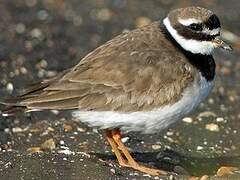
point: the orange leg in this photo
(116, 137)
(115, 149)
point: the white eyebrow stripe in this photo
(187, 22)
(194, 46)
(211, 32)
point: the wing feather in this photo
(134, 71)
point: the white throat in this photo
(194, 46)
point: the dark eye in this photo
(196, 27)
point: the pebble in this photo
(42, 64)
(199, 148)
(211, 101)
(18, 130)
(30, 3)
(67, 127)
(206, 114)
(67, 152)
(81, 129)
(48, 145)
(225, 170)
(146, 175)
(6, 130)
(36, 33)
(187, 120)
(125, 139)
(142, 21)
(212, 127)
(9, 87)
(113, 170)
(33, 150)
(20, 28)
(23, 70)
(42, 15)
(77, 20)
(56, 112)
(170, 133)
(156, 146)
(104, 14)
(64, 147)
(220, 119)
(205, 177)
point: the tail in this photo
(14, 106)
(12, 110)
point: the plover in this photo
(142, 80)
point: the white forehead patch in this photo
(192, 45)
(187, 22)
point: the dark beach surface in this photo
(39, 38)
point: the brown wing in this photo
(134, 71)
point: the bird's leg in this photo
(115, 149)
(131, 162)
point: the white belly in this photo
(149, 121)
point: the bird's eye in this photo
(196, 27)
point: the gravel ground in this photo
(42, 37)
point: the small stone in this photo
(220, 119)
(81, 129)
(67, 127)
(206, 114)
(205, 177)
(211, 101)
(77, 20)
(42, 15)
(156, 146)
(146, 175)
(169, 133)
(95, 130)
(6, 130)
(50, 129)
(20, 28)
(23, 70)
(42, 64)
(64, 147)
(225, 170)
(31, 3)
(193, 178)
(125, 139)
(142, 21)
(187, 120)
(104, 14)
(66, 151)
(212, 127)
(61, 142)
(113, 170)
(17, 130)
(48, 145)
(36, 33)
(9, 87)
(56, 112)
(33, 150)
(199, 148)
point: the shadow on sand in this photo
(173, 161)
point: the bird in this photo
(140, 81)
